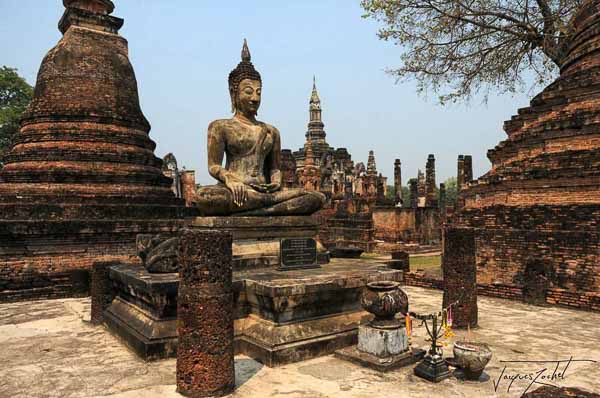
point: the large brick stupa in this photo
(81, 179)
(536, 213)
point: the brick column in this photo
(459, 269)
(460, 172)
(414, 193)
(397, 181)
(442, 204)
(431, 194)
(205, 363)
(468, 167)
(100, 290)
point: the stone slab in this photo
(257, 240)
(354, 355)
(259, 227)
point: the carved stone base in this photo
(256, 240)
(392, 362)
(281, 317)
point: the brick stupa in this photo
(82, 179)
(536, 213)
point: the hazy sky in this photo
(183, 51)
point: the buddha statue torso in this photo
(250, 181)
(247, 149)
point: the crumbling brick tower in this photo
(536, 213)
(82, 179)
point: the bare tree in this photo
(458, 48)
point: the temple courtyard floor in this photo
(49, 349)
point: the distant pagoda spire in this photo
(371, 165)
(315, 103)
(316, 132)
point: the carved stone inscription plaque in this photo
(298, 252)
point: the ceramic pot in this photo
(472, 358)
(384, 300)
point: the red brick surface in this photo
(82, 179)
(536, 213)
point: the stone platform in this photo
(48, 351)
(256, 240)
(281, 317)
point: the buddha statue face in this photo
(248, 97)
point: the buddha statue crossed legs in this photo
(250, 182)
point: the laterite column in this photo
(100, 290)
(460, 279)
(205, 363)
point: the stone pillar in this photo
(414, 193)
(421, 187)
(460, 173)
(468, 169)
(459, 270)
(100, 290)
(400, 260)
(380, 188)
(205, 363)
(398, 182)
(442, 204)
(188, 186)
(431, 194)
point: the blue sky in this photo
(183, 50)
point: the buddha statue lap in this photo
(250, 182)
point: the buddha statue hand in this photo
(266, 188)
(238, 189)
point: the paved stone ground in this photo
(48, 349)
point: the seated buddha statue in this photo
(250, 182)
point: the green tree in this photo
(391, 194)
(458, 48)
(451, 191)
(15, 95)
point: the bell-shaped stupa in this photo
(536, 213)
(81, 179)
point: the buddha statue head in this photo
(245, 85)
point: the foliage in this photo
(391, 194)
(15, 95)
(458, 48)
(451, 191)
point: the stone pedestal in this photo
(280, 316)
(382, 342)
(205, 363)
(381, 349)
(257, 240)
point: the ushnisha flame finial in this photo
(246, 52)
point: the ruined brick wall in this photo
(349, 223)
(395, 224)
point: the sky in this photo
(183, 50)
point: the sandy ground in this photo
(48, 349)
